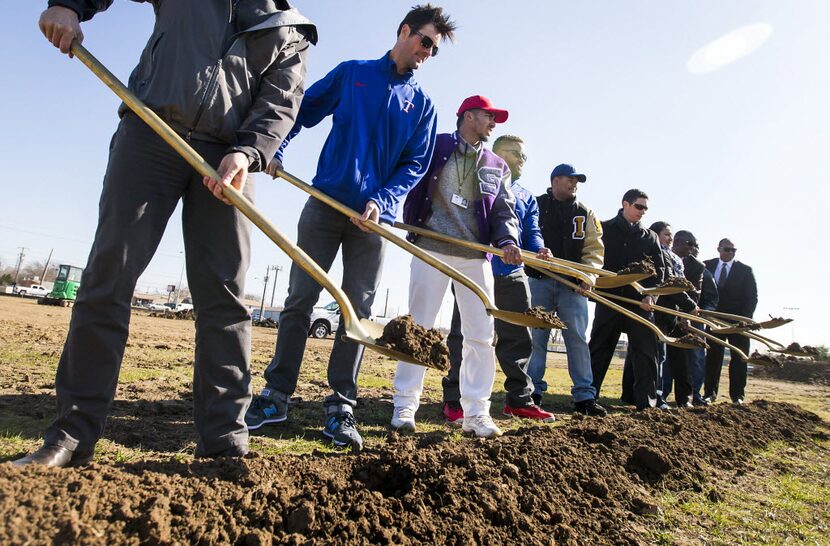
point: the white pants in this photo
(427, 287)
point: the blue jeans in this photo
(572, 308)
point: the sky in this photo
(718, 110)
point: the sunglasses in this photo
(733, 249)
(427, 43)
(518, 154)
(638, 206)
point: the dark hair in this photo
(423, 15)
(460, 119)
(684, 235)
(634, 194)
(657, 227)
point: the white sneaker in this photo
(481, 425)
(403, 419)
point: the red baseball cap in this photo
(482, 102)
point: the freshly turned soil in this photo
(767, 358)
(643, 266)
(405, 335)
(679, 282)
(588, 481)
(807, 350)
(551, 318)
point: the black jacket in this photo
(709, 293)
(739, 295)
(626, 243)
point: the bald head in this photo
(726, 250)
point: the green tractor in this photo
(65, 287)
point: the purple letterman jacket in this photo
(495, 212)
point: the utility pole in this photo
(264, 288)
(46, 267)
(792, 327)
(386, 305)
(277, 269)
(19, 263)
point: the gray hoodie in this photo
(228, 71)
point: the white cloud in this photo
(729, 48)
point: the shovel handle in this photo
(530, 260)
(231, 194)
(441, 266)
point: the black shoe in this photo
(55, 455)
(342, 429)
(537, 399)
(701, 402)
(738, 402)
(590, 407)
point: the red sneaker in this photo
(531, 411)
(453, 414)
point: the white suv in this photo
(324, 320)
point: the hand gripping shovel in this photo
(361, 331)
(513, 317)
(528, 257)
(668, 340)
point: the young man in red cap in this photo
(465, 194)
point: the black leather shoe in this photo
(590, 407)
(55, 455)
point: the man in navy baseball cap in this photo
(567, 170)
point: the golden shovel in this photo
(513, 317)
(361, 331)
(528, 257)
(748, 324)
(668, 340)
(693, 318)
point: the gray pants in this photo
(513, 343)
(321, 232)
(145, 180)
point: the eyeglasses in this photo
(638, 206)
(518, 154)
(428, 43)
(731, 249)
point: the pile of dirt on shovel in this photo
(646, 265)
(677, 282)
(588, 481)
(551, 318)
(405, 335)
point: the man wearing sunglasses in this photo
(627, 241)
(738, 295)
(380, 144)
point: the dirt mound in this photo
(184, 314)
(588, 481)
(645, 266)
(405, 335)
(796, 370)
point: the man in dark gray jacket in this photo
(228, 77)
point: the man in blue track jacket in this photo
(380, 145)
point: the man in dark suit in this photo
(627, 241)
(738, 295)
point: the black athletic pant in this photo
(605, 333)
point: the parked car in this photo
(156, 307)
(34, 290)
(324, 320)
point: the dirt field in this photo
(753, 474)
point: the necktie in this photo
(724, 271)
